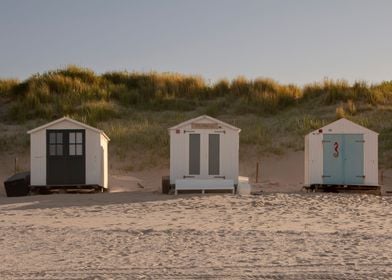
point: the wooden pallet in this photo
(47, 189)
(344, 189)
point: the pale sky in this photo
(292, 41)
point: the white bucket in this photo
(243, 189)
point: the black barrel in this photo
(165, 184)
(18, 184)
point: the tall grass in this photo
(139, 141)
(81, 92)
(307, 123)
(154, 90)
(135, 109)
(264, 95)
(340, 90)
(7, 86)
(64, 91)
(57, 93)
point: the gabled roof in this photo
(346, 122)
(69, 120)
(205, 117)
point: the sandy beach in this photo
(139, 235)
(201, 140)
(134, 232)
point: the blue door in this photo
(353, 170)
(343, 159)
(333, 166)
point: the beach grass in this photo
(135, 109)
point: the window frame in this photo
(78, 144)
(56, 143)
(75, 143)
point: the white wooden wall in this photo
(179, 153)
(104, 162)
(314, 152)
(96, 155)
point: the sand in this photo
(141, 235)
(134, 232)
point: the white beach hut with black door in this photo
(66, 153)
(341, 153)
(204, 155)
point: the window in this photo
(213, 154)
(75, 143)
(194, 154)
(56, 143)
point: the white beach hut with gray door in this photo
(67, 153)
(341, 153)
(204, 155)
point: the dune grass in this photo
(60, 92)
(7, 86)
(13, 139)
(334, 91)
(135, 109)
(65, 92)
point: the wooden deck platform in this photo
(376, 190)
(47, 189)
(204, 185)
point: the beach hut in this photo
(67, 153)
(341, 154)
(204, 155)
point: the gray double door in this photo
(204, 154)
(66, 157)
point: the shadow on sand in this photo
(83, 199)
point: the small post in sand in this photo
(257, 172)
(16, 165)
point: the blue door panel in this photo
(333, 172)
(343, 159)
(354, 173)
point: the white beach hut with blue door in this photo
(341, 153)
(204, 155)
(66, 153)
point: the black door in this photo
(66, 157)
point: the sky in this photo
(291, 41)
